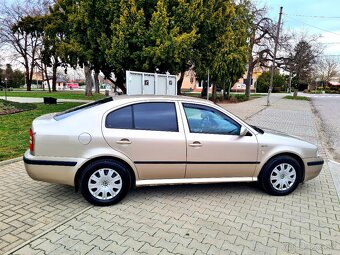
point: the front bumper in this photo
(52, 169)
(313, 167)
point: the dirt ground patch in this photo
(8, 107)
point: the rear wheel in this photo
(105, 182)
(281, 175)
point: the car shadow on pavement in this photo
(195, 190)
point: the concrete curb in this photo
(265, 107)
(332, 166)
(9, 161)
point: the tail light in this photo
(31, 141)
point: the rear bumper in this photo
(313, 167)
(51, 169)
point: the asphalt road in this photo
(328, 108)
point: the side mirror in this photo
(243, 131)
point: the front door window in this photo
(206, 120)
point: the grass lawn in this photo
(14, 128)
(297, 98)
(58, 94)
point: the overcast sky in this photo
(312, 16)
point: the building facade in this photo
(190, 83)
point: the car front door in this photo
(214, 146)
(149, 134)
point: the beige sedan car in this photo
(106, 147)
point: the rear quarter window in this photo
(121, 118)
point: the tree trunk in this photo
(31, 75)
(295, 93)
(42, 79)
(27, 75)
(114, 86)
(54, 77)
(250, 65)
(96, 81)
(249, 77)
(214, 96)
(229, 87)
(180, 82)
(204, 89)
(224, 96)
(28, 81)
(47, 79)
(88, 81)
(120, 84)
(42, 74)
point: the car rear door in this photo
(150, 135)
(214, 146)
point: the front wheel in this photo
(281, 175)
(105, 182)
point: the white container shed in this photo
(138, 83)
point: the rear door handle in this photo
(195, 144)
(124, 141)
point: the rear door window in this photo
(155, 116)
(145, 116)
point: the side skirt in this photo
(156, 182)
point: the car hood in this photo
(279, 133)
(280, 141)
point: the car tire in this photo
(104, 182)
(281, 175)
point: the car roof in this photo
(133, 98)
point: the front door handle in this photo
(124, 141)
(195, 144)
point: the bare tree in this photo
(44, 70)
(302, 51)
(17, 38)
(262, 44)
(326, 68)
(262, 33)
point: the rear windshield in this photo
(73, 111)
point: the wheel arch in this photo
(128, 167)
(290, 154)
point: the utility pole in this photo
(274, 58)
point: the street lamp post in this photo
(6, 88)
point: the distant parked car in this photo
(106, 147)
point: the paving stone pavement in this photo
(27, 207)
(189, 219)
